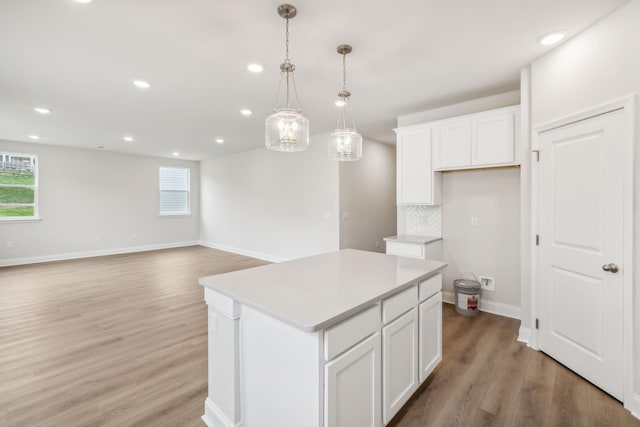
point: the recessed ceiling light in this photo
(36, 137)
(100, 147)
(219, 140)
(128, 138)
(84, 1)
(245, 112)
(142, 84)
(255, 68)
(42, 110)
(551, 38)
(175, 154)
(340, 103)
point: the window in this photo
(18, 186)
(174, 191)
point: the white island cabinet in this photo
(341, 339)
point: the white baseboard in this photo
(90, 254)
(524, 334)
(633, 405)
(492, 307)
(214, 417)
(448, 297)
(252, 254)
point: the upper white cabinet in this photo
(416, 183)
(493, 139)
(481, 140)
(452, 145)
(484, 139)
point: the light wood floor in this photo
(487, 378)
(121, 341)
(110, 341)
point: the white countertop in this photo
(316, 292)
(412, 238)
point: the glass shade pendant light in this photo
(287, 129)
(345, 144)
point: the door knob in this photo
(611, 267)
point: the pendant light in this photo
(287, 129)
(345, 144)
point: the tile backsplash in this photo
(423, 220)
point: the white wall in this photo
(368, 194)
(526, 235)
(493, 248)
(500, 100)
(92, 202)
(271, 205)
(600, 65)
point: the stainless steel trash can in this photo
(467, 296)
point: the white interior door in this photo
(580, 305)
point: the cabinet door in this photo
(400, 362)
(430, 335)
(411, 250)
(352, 387)
(452, 145)
(415, 185)
(493, 140)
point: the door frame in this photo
(628, 105)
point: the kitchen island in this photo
(338, 339)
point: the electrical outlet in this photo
(488, 283)
(475, 222)
(377, 243)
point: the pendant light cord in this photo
(344, 94)
(344, 72)
(287, 61)
(286, 43)
(344, 90)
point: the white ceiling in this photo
(408, 56)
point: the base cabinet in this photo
(400, 362)
(431, 250)
(357, 373)
(352, 387)
(430, 314)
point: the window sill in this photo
(174, 215)
(18, 219)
